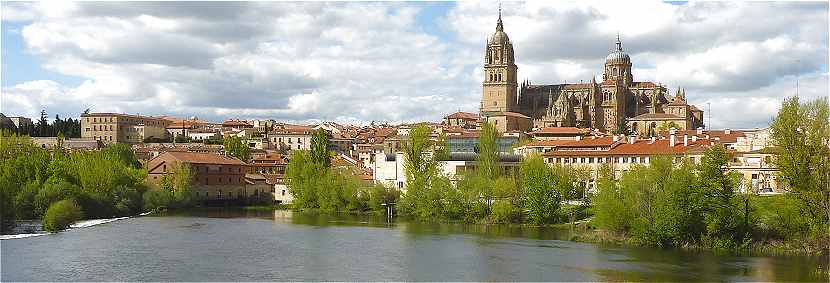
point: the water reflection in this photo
(254, 245)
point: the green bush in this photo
(54, 189)
(504, 212)
(157, 198)
(61, 214)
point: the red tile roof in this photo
(548, 143)
(639, 147)
(203, 158)
(595, 142)
(463, 115)
(561, 131)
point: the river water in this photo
(233, 245)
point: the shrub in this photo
(504, 212)
(61, 214)
(157, 198)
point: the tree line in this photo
(60, 187)
(70, 128)
(316, 185)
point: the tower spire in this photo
(619, 44)
(499, 26)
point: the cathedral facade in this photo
(612, 104)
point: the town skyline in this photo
(407, 62)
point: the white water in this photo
(79, 224)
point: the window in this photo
(164, 168)
(283, 192)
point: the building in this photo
(122, 128)
(22, 122)
(559, 133)
(70, 144)
(291, 137)
(465, 120)
(616, 101)
(389, 168)
(621, 153)
(215, 177)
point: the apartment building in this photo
(215, 177)
(122, 128)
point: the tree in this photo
(543, 200)
(42, 125)
(622, 127)
(302, 175)
(61, 214)
(425, 185)
(236, 147)
(667, 126)
(801, 133)
(725, 223)
(487, 160)
(320, 148)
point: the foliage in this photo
(320, 148)
(488, 155)
(801, 133)
(668, 126)
(124, 153)
(178, 183)
(542, 198)
(102, 183)
(612, 206)
(68, 127)
(622, 127)
(157, 198)
(236, 147)
(61, 214)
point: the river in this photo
(234, 245)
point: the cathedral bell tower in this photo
(618, 66)
(500, 81)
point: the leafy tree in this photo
(236, 147)
(320, 148)
(124, 153)
(667, 126)
(61, 214)
(801, 133)
(302, 175)
(543, 200)
(613, 208)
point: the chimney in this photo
(685, 140)
(652, 140)
(727, 131)
(700, 130)
(616, 138)
(671, 137)
(694, 138)
(631, 139)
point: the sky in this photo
(358, 62)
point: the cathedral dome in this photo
(500, 37)
(618, 56)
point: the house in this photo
(215, 177)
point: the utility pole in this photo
(709, 112)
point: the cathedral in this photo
(612, 104)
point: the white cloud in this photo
(373, 61)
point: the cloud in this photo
(360, 62)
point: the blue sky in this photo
(356, 62)
(20, 66)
